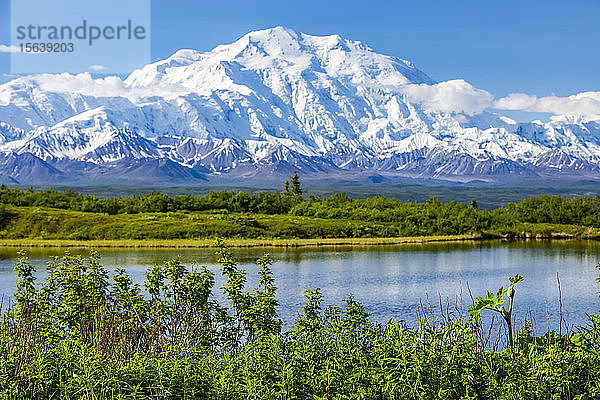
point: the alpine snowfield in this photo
(272, 101)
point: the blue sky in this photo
(534, 47)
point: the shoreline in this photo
(238, 243)
(250, 243)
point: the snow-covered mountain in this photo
(272, 101)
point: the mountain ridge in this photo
(274, 100)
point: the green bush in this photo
(83, 335)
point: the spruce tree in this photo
(296, 189)
(474, 204)
(286, 187)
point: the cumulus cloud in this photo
(458, 96)
(454, 96)
(580, 104)
(97, 67)
(9, 49)
(110, 86)
(81, 83)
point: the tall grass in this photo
(82, 334)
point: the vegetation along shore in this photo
(80, 334)
(52, 218)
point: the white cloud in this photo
(9, 49)
(81, 83)
(581, 104)
(97, 67)
(454, 96)
(110, 86)
(461, 97)
(450, 96)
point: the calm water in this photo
(394, 281)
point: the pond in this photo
(393, 281)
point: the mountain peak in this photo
(284, 53)
(274, 32)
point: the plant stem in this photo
(509, 322)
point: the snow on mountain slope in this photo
(277, 97)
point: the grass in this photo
(545, 231)
(47, 227)
(46, 223)
(204, 243)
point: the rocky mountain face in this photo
(270, 102)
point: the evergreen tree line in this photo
(448, 217)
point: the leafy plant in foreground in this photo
(495, 303)
(171, 339)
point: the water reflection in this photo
(393, 281)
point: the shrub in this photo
(83, 335)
